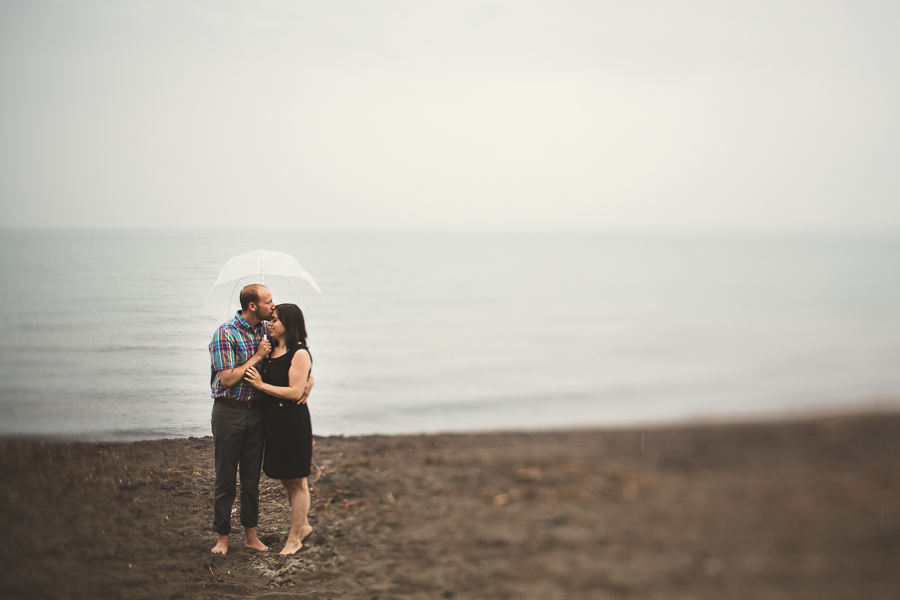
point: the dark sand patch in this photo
(800, 509)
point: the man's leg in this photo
(251, 466)
(227, 432)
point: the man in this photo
(237, 417)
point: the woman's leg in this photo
(298, 497)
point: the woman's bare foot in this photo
(304, 532)
(251, 541)
(221, 546)
(292, 546)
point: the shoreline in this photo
(780, 508)
(872, 408)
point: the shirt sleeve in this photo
(222, 351)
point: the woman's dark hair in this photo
(291, 317)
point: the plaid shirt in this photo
(233, 344)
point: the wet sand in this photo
(791, 509)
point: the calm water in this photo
(454, 331)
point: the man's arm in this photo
(309, 385)
(223, 358)
(231, 377)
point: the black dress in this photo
(286, 425)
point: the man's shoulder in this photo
(226, 330)
(229, 324)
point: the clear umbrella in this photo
(280, 272)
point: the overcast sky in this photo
(626, 115)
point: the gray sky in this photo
(766, 115)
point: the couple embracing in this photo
(260, 388)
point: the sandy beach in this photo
(806, 508)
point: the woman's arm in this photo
(298, 377)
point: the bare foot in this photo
(251, 541)
(304, 532)
(221, 546)
(256, 545)
(292, 546)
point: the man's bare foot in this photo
(221, 546)
(251, 541)
(256, 545)
(293, 546)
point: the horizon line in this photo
(677, 232)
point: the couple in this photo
(260, 390)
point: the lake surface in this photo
(425, 332)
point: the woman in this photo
(286, 424)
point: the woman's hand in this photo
(253, 377)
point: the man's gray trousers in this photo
(238, 438)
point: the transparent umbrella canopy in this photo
(280, 272)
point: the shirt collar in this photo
(240, 322)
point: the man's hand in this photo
(265, 346)
(309, 385)
(231, 377)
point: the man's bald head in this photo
(250, 294)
